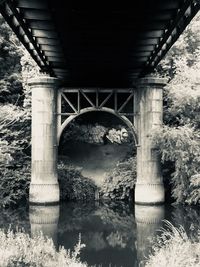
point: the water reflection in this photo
(44, 219)
(114, 233)
(110, 231)
(149, 220)
(107, 231)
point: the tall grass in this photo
(19, 249)
(175, 249)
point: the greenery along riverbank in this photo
(174, 248)
(19, 249)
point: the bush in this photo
(97, 134)
(174, 248)
(73, 185)
(14, 154)
(14, 185)
(119, 182)
(181, 145)
(19, 249)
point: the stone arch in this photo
(103, 109)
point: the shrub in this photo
(14, 185)
(181, 145)
(97, 134)
(174, 248)
(73, 185)
(119, 182)
(14, 154)
(19, 249)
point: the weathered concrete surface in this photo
(44, 181)
(149, 113)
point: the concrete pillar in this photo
(44, 181)
(44, 219)
(149, 220)
(149, 109)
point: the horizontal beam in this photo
(18, 25)
(47, 41)
(41, 24)
(36, 14)
(44, 33)
(94, 90)
(53, 53)
(36, 4)
(182, 19)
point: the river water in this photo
(115, 233)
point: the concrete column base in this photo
(148, 194)
(44, 193)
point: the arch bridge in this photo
(75, 102)
(107, 51)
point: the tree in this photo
(10, 69)
(179, 141)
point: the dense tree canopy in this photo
(10, 67)
(179, 141)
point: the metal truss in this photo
(73, 102)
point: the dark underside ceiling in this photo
(96, 43)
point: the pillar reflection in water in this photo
(149, 221)
(44, 219)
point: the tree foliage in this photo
(73, 185)
(10, 68)
(14, 154)
(181, 146)
(119, 182)
(179, 141)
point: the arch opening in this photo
(124, 119)
(98, 143)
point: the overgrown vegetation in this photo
(19, 249)
(119, 182)
(175, 248)
(15, 118)
(181, 145)
(14, 154)
(10, 68)
(97, 133)
(73, 185)
(179, 140)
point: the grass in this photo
(175, 249)
(19, 249)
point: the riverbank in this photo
(174, 248)
(19, 249)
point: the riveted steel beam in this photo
(15, 20)
(183, 17)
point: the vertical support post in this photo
(44, 186)
(149, 107)
(59, 111)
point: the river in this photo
(115, 233)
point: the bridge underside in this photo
(98, 44)
(92, 49)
